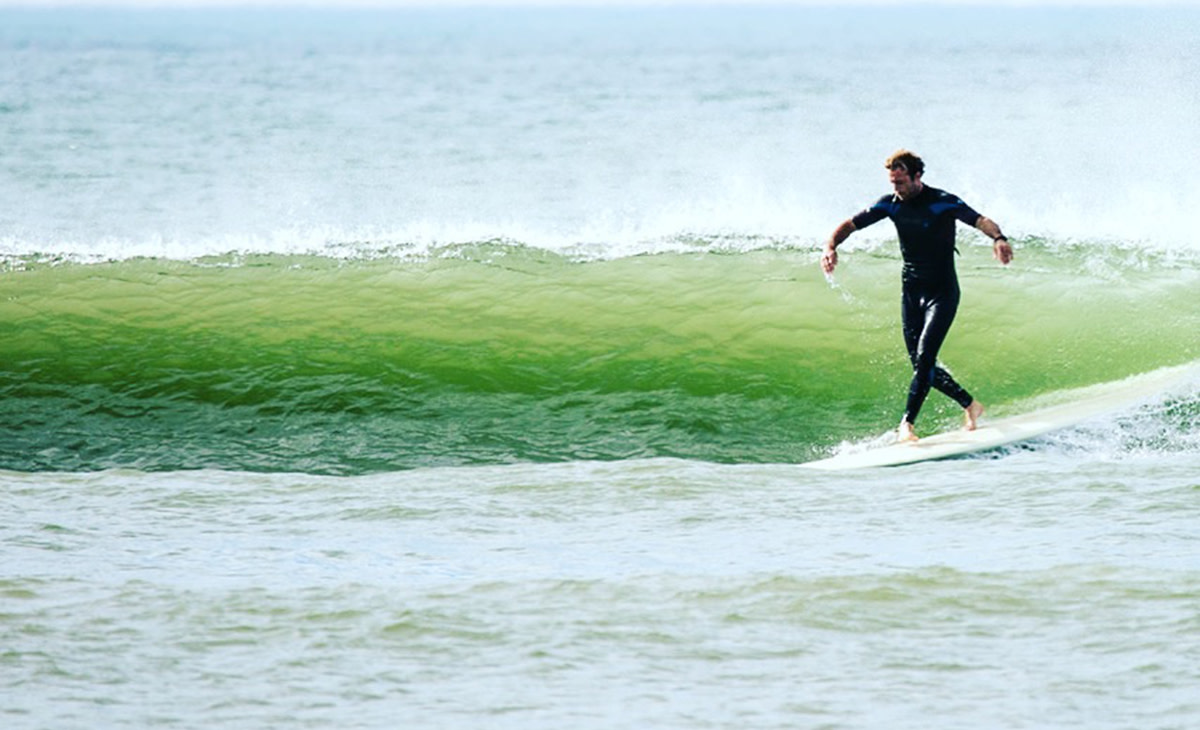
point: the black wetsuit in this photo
(926, 224)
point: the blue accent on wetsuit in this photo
(926, 227)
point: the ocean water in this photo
(451, 369)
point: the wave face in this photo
(498, 352)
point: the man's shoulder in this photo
(941, 198)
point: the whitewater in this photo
(452, 368)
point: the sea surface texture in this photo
(453, 369)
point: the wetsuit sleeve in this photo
(874, 214)
(965, 213)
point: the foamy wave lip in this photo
(606, 236)
(668, 226)
(414, 242)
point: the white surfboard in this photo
(1080, 405)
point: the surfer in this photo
(925, 218)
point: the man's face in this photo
(904, 184)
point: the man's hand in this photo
(1002, 251)
(841, 233)
(829, 259)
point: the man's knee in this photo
(925, 371)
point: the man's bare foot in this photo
(905, 433)
(973, 412)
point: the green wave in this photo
(496, 353)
